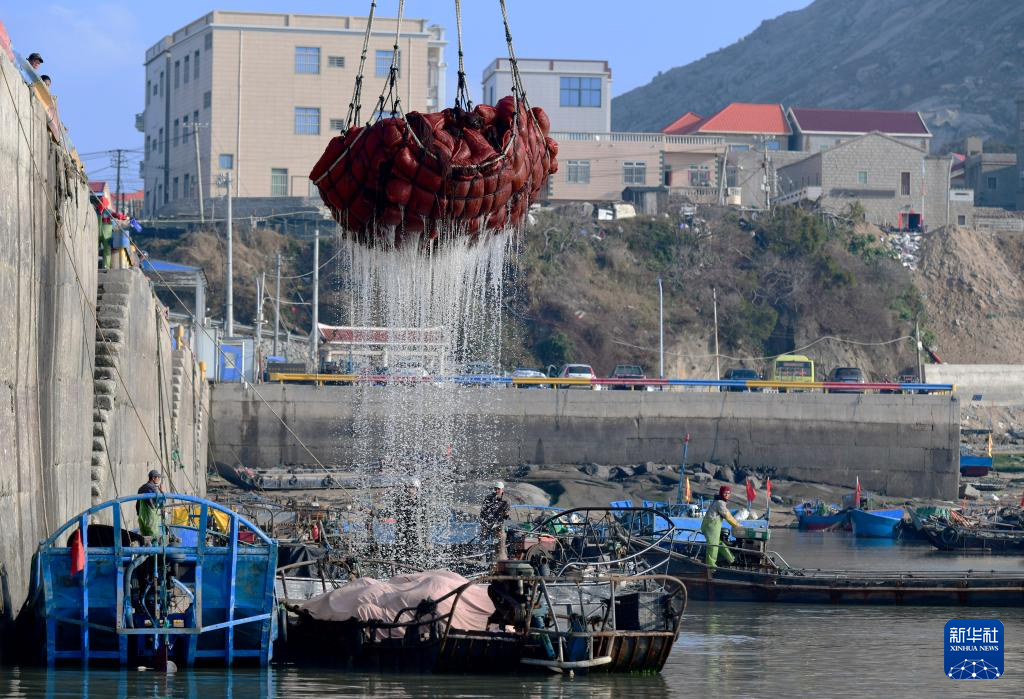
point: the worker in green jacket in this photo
(149, 510)
(711, 528)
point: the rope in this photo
(390, 94)
(462, 99)
(355, 106)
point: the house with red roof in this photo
(741, 124)
(816, 129)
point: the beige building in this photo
(268, 91)
(600, 166)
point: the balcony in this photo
(140, 122)
(631, 137)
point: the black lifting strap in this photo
(355, 105)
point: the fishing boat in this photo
(951, 537)
(816, 516)
(764, 576)
(199, 592)
(506, 622)
(878, 524)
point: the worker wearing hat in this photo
(711, 527)
(35, 60)
(493, 514)
(148, 510)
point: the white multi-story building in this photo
(576, 94)
(268, 91)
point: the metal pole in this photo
(229, 312)
(315, 332)
(258, 335)
(277, 305)
(718, 367)
(199, 175)
(920, 347)
(117, 197)
(661, 331)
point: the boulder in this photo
(527, 494)
(598, 471)
(620, 473)
(969, 492)
(725, 473)
(701, 477)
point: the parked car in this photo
(479, 374)
(404, 373)
(633, 372)
(741, 374)
(846, 374)
(522, 373)
(578, 371)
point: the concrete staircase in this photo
(112, 323)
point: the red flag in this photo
(77, 553)
(751, 493)
(857, 494)
(768, 490)
(1022, 499)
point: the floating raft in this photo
(200, 592)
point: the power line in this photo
(771, 356)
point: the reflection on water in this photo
(727, 650)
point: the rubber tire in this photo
(949, 536)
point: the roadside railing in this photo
(726, 385)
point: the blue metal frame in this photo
(53, 560)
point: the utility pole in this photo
(767, 179)
(229, 312)
(718, 368)
(661, 331)
(920, 348)
(277, 304)
(199, 175)
(314, 334)
(258, 334)
(118, 162)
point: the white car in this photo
(579, 371)
(530, 374)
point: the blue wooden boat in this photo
(971, 465)
(813, 517)
(880, 524)
(201, 591)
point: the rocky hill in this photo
(960, 63)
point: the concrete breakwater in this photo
(81, 411)
(898, 445)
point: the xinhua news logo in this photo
(974, 649)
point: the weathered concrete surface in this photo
(47, 283)
(147, 396)
(997, 384)
(899, 445)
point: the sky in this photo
(93, 51)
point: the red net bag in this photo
(454, 172)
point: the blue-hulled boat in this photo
(685, 520)
(200, 591)
(818, 517)
(880, 524)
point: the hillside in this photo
(959, 63)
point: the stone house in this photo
(817, 129)
(898, 184)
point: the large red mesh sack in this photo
(452, 172)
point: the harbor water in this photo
(724, 650)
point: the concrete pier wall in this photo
(996, 384)
(77, 425)
(898, 445)
(47, 284)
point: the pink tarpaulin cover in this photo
(364, 599)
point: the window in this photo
(154, 89)
(208, 41)
(307, 121)
(148, 95)
(961, 220)
(226, 161)
(383, 63)
(175, 137)
(177, 74)
(634, 172)
(337, 124)
(195, 119)
(149, 144)
(184, 128)
(278, 182)
(161, 148)
(905, 184)
(187, 71)
(336, 61)
(492, 95)
(577, 172)
(174, 188)
(862, 177)
(161, 83)
(580, 92)
(307, 59)
(991, 182)
(700, 176)
(207, 99)
(185, 191)
(195, 65)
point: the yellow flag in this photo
(689, 495)
(990, 444)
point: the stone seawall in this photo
(73, 431)
(898, 445)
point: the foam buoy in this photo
(77, 553)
